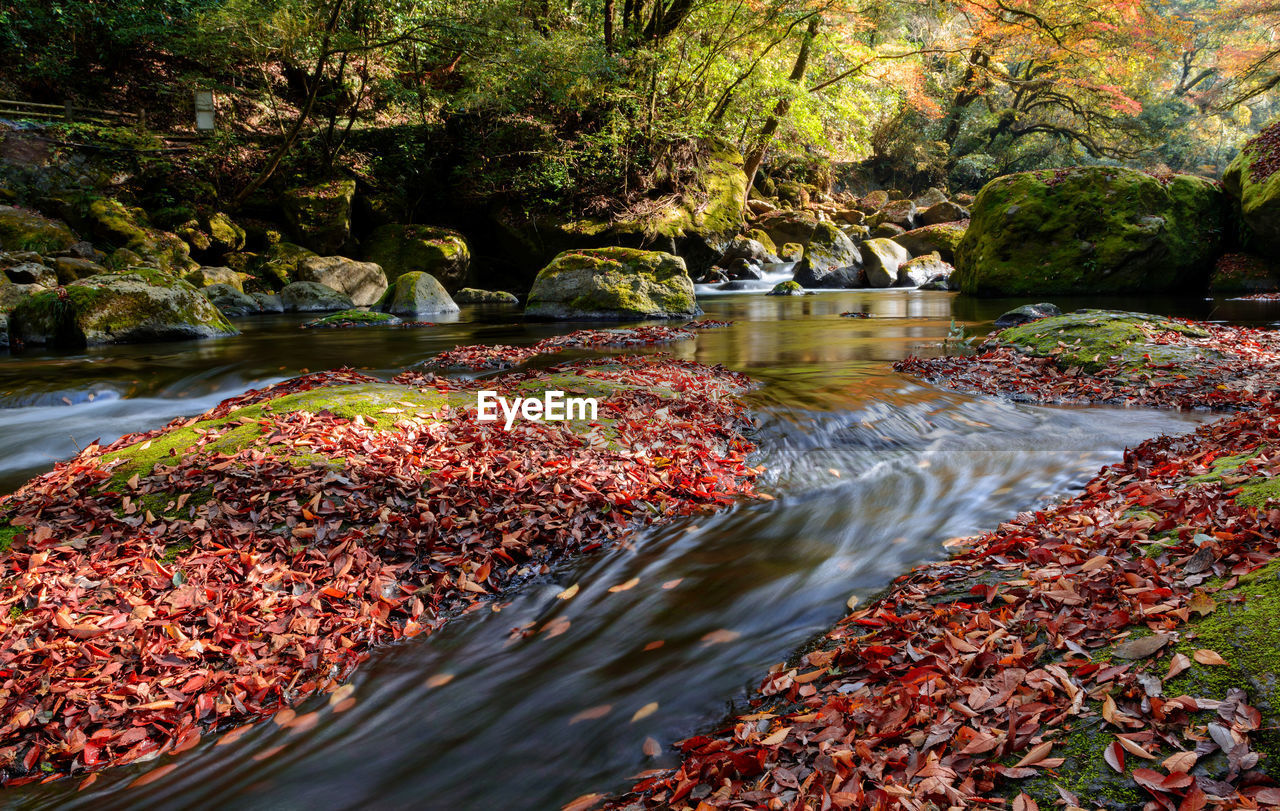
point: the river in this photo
(872, 473)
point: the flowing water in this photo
(872, 472)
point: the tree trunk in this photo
(294, 131)
(608, 27)
(756, 157)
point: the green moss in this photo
(613, 282)
(1085, 772)
(759, 235)
(7, 534)
(23, 230)
(1259, 492)
(1090, 338)
(359, 318)
(1091, 230)
(172, 551)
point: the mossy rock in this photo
(1091, 230)
(12, 293)
(830, 248)
(354, 318)
(1254, 186)
(278, 266)
(759, 235)
(320, 216)
(206, 276)
(224, 234)
(401, 249)
(416, 294)
(790, 288)
(613, 284)
(231, 301)
(1094, 339)
(364, 282)
(470, 295)
(127, 307)
(313, 297)
(120, 226)
(23, 230)
(942, 239)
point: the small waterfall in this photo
(773, 274)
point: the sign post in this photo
(206, 114)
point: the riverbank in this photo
(222, 569)
(1108, 651)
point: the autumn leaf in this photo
(720, 637)
(645, 711)
(1113, 754)
(1208, 657)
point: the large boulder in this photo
(613, 283)
(206, 276)
(924, 270)
(1254, 185)
(1244, 273)
(942, 239)
(24, 230)
(225, 236)
(364, 282)
(231, 301)
(813, 277)
(788, 227)
(126, 307)
(279, 264)
(320, 216)
(32, 273)
(830, 248)
(1026, 314)
(946, 211)
(749, 249)
(1091, 230)
(884, 258)
(401, 249)
(416, 294)
(312, 297)
(72, 268)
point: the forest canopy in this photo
(922, 91)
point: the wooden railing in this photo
(11, 108)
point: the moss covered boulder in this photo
(884, 258)
(364, 282)
(1091, 230)
(225, 236)
(1093, 339)
(320, 216)
(206, 276)
(416, 294)
(471, 295)
(126, 307)
(278, 265)
(313, 297)
(791, 288)
(1244, 273)
(401, 249)
(1254, 185)
(24, 230)
(231, 301)
(613, 283)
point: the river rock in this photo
(830, 248)
(1026, 314)
(231, 301)
(613, 283)
(441, 252)
(749, 249)
(471, 295)
(32, 273)
(320, 216)
(886, 230)
(1244, 273)
(841, 278)
(931, 196)
(901, 213)
(224, 235)
(25, 230)
(741, 269)
(791, 288)
(127, 307)
(355, 318)
(268, 302)
(924, 269)
(206, 276)
(416, 294)
(785, 227)
(874, 201)
(313, 297)
(946, 211)
(1091, 230)
(12, 294)
(883, 259)
(69, 269)
(364, 282)
(791, 252)
(942, 239)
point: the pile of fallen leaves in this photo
(216, 589)
(1056, 638)
(1259, 297)
(1239, 369)
(501, 356)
